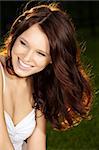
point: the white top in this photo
(20, 132)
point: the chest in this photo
(17, 103)
(17, 98)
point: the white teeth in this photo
(24, 65)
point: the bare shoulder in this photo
(1, 78)
(1, 84)
(40, 118)
(2, 59)
(39, 134)
(2, 62)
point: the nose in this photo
(28, 56)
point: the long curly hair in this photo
(62, 91)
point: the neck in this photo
(18, 80)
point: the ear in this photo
(50, 61)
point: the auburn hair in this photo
(62, 91)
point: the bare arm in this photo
(5, 143)
(38, 139)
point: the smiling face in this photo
(30, 52)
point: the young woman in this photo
(41, 78)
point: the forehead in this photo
(36, 38)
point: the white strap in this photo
(3, 77)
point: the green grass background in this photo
(86, 135)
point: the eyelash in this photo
(41, 53)
(22, 43)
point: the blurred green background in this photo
(85, 15)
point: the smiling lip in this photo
(23, 66)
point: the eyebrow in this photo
(37, 49)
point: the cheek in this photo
(17, 48)
(14, 49)
(41, 62)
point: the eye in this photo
(22, 42)
(41, 54)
